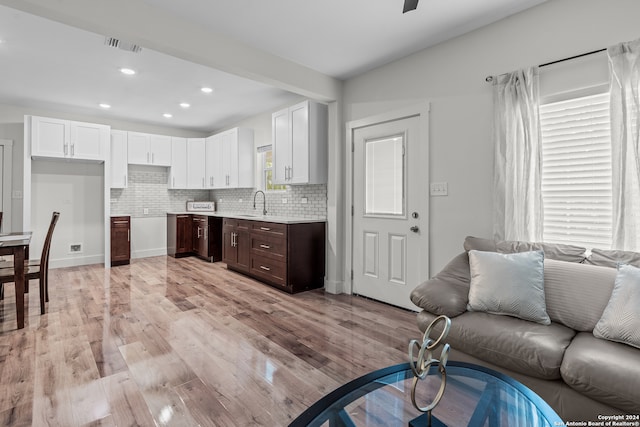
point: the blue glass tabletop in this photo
(473, 396)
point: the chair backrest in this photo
(44, 258)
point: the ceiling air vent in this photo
(129, 47)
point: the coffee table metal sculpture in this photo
(474, 395)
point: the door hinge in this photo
(353, 147)
(351, 210)
(351, 274)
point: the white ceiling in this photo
(57, 67)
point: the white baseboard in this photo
(76, 261)
(146, 253)
(333, 286)
(99, 259)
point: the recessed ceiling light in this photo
(105, 106)
(127, 71)
(206, 90)
(168, 115)
(185, 105)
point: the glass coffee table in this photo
(474, 396)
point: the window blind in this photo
(576, 171)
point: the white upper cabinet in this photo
(281, 145)
(66, 139)
(196, 163)
(119, 165)
(149, 149)
(299, 136)
(178, 173)
(238, 154)
(213, 162)
(230, 159)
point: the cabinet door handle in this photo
(235, 239)
(73, 150)
(173, 184)
(65, 149)
(265, 246)
(198, 232)
(148, 158)
(121, 222)
(182, 216)
(265, 228)
(265, 268)
(206, 232)
(128, 235)
(152, 159)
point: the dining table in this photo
(17, 244)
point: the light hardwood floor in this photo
(182, 342)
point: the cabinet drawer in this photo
(121, 221)
(269, 228)
(273, 247)
(269, 269)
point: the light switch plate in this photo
(439, 189)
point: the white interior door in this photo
(389, 218)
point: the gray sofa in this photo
(579, 375)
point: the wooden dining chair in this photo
(34, 270)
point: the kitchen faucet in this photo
(264, 202)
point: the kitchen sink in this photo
(248, 215)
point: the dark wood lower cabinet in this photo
(290, 257)
(235, 251)
(199, 235)
(179, 241)
(120, 240)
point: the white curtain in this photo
(518, 157)
(624, 67)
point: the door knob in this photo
(415, 229)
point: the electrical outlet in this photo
(239, 200)
(145, 211)
(75, 248)
(17, 194)
(439, 189)
(284, 200)
(304, 200)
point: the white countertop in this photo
(252, 217)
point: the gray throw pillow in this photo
(508, 284)
(620, 321)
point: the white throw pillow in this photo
(508, 284)
(620, 321)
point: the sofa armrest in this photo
(448, 292)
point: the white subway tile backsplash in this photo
(147, 188)
(316, 206)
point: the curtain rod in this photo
(490, 78)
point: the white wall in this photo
(75, 190)
(452, 77)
